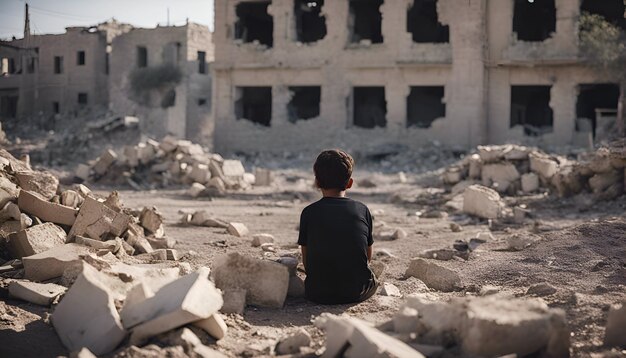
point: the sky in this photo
(53, 16)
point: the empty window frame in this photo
(82, 98)
(365, 21)
(80, 58)
(369, 107)
(423, 105)
(31, 64)
(423, 23)
(202, 62)
(56, 108)
(304, 103)
(535, 20)
(310, 24)
(8, 66)
(254, 23)
(254, 104)
(595, 97)
(142, 56)
(58, 64)
(612, 10)
(530, 108)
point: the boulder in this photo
(38, 206)
(51, 263)
(42, 183)
(434, 275)
(482, 202)
(36, 239)
(38, 293)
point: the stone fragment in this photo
(530, 182)
(87, 317)
(36, 239)
(482, 202)
(151, 219)
(452, 175)
(439, 254)
(10, 211)
(434, 275)
(109, 245)
(42, 183)
(500, 175)
(475, 166)
(405, 320)
(191, 344)
(616, 326)
(260, 239)
(103, 162)
(214, 325)
(202, 218)
(492, 153)
(71, 198)
(140, 244)
(543, 165)
(234, 300)
(233, 169)
(200, 173)
(602, 181)
(388, 289)
(237, 229)
(12, 226)
(266, 282)
(172, 255)
(520, 241)
(161, 243)
(263, 177)
(96, 219)
(293, 342)
(38, 293)
(455, 227)
(195, 190)
(36, 205)
(51, 263)
(82, 172)
(541, 289)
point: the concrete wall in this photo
(477, 67)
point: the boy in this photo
(336, 237)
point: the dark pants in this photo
(369, 289)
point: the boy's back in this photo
(336, 232)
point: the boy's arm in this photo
(303, 249)
(369, 253)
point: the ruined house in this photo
(308, 74)
(162, 76)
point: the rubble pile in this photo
(171, 162)
(518, 170)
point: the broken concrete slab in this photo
(233, 169)
(51, 263)
(521, 241)
(38, 293)
(195, 190)
(38, 206)
(87, 317)
(10, 211)
(202, 218)
(616, 326)
(434, 275)
(36, 239)
(237, 229)
(499, 175)
(82, 172)
(234, 300)
(543, 165)
(293, 342)
(106, 159)
(96, 219)
(214, 326)
(151, 219)
(389, 289)
(109, 245)
(71, 198)
(42, 183)
(530, 182)
(260, 239)
(263, 177)
(266, 282)
(482, 202)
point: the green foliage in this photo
(603, 45)
(143, 80)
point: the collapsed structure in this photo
(294, 75)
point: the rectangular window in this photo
(58, 64)
(254, 23)
(423, 105)
(254, 104)
(82, 98)
(142, 56)
(365, 21)
(422, 22)
(202, 62)
(369, 107)
(310, 23)
(305, 102)
(80, 58)
(535, 20)
(56, 109)
(530, 108)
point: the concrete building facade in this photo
(297, 75)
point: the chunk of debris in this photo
(233, 169)
(541, 289)
(264, 177)
(151, 219)
(237, 229)
(51, 263)
(543, 165)
(38, 293)
(482, 202)
(234, 300)
(10, 211)
(434, 275)
(96, 219)
(214, 326)
(499, 176)
(36, 239)
(42, 183)
(616, 326)
(192, 345)
(388, 289)
(260, 239)
(82, 172)
(109, 245)
(293, 342)
(266, 282)
(36, 205)
(530, 182)
(104, 162)
(455, 227)
(71, 198)
(202, 218)
(195, 190)
(520, 241)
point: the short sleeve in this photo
(368, 219)
(302, 236)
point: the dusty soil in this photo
(582, 253)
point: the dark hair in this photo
(333, 169)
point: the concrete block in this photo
(50, 264)
(482, 202)
(263, 177)
(36, 239)
(195, 190)
(452, 175)
(214, 325)
(434, 275)
(202, 218)
(234, 300)
(492, 153)
(71, 198)
(543, 165)
(109, 245)
(151, 219)
(140, 244)
(106, 159)
(168, 144)
(188, 299)
(38, 206)
(10, 211)
(42, 183)
(616, 326)
(233, 169)
(96, 219)
(499, 175)
(266, 282)
(161, 243)
(388, 289)
(82, 172)
(530, 182)
(217, 186)
(293, 342)
(38, 293)
(200, 173)
(237, 229)
(12, 226)
(87, 317)
(260, 239)
(602, 181)
(131, 153)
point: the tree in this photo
(603, 46)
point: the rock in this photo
(543, 165)
(109, 245)
(82, 172)
(104, 162)
(234, 301)
(12, 226)
(439, 254)
(500, 175)
(151, 219)
(616, 326)
(388, 289)
(602, 181)
(452, 175)
(492, 153)
(237, 229)
(260, 239)
(161, 243)
(519, 242)
(266, 282)
(200, 173)
(71, 198)
(51, 263)
(530, 182)
(541, 289)
(36, 205)
(292, 343)
(139, 243)
(202, 218)
(487, 290)
(191, 344)
(10, 211)
(433, 275)
(519, 214)
(36, 239)
(96, 219)
(482, 202)
(405, 320)
(87, 317)
(38, 293)
(296, 287)
(42, 183)
(263, 177)
(185, 300)
(214, 325)
(172, 255)
(475, 166)
(195, 190)
(233, 169)
(455, 227)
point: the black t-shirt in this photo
(336, 233)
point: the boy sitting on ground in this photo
(336, 236)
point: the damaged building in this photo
(297, 75)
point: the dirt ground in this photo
(581, 253)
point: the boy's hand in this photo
(303, 250)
